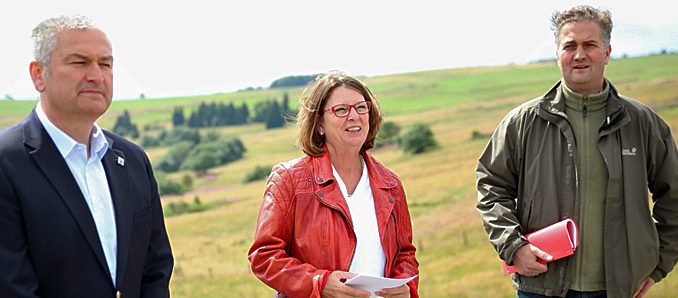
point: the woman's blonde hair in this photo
(311, 111)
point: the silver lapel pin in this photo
(121, 161)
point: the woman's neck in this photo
(349, 166)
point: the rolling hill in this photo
(456, 260)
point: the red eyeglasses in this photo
(342, 110)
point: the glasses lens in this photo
(362, 107)
(341, 110)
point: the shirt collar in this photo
(65, 144)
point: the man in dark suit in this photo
(80, 214)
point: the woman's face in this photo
(350, 131)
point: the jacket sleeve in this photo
(269, 255)
(17, 278)
(159, 261)
(663, 183)
(406, 264)
(497, 177)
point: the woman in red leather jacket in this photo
(337, 211)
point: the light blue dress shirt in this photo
(90, 175)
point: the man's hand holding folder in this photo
(551, 243)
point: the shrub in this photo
(177, 208)
(418, 139)
(181, 207)
(476, 134)
(387, 134)
(200, 162)
(187, 181)
(224, 150)
(154, 126)
(168, 186)
(174, 157)
(258, 173)
(214, 151)
(149, 142)
(179, 134)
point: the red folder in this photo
(559, 240)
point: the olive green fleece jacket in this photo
(527, 180)
(586, 114)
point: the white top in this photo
(369, 257)
(91, 178)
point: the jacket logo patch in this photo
(629, 152)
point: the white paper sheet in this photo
(375, 283)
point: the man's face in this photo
(582, 57)
(78, 83)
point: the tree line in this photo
(270, 112)
(293, 81)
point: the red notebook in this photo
(559, 240)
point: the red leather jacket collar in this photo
(382, 181)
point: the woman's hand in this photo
(399, 292)
(335, 287)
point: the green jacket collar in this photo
(552, 108)
(593, 102)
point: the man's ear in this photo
(36, 69)
(608, 51)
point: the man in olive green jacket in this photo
(583, 151)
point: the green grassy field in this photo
(456, 260)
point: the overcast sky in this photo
(197, 47)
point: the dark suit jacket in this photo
(49, 246)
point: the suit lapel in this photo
(119, 184)
(47, 157)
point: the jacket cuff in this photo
(323, 280)
(657, 275)
(513, 248)
(319, 281)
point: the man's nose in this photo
(95, 74)
(579, 53)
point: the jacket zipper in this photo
(578, 198)
(393, 261)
